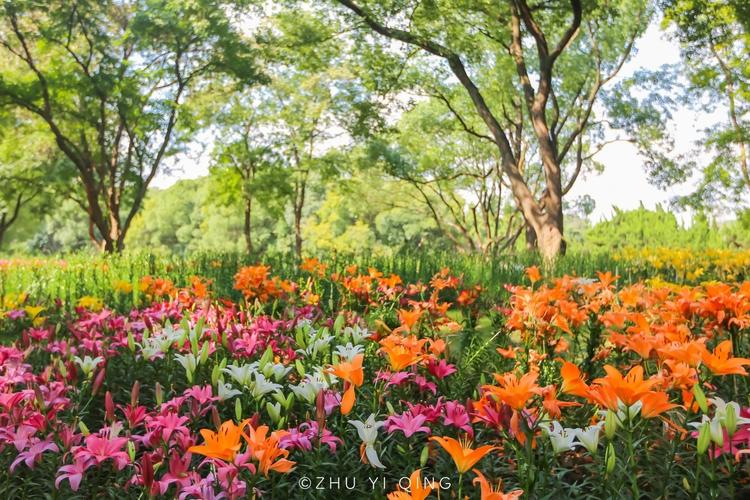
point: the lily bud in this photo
(238, 409)
(391, 410)
(135, 392)
(98, 381)
(158, 394)
(339, 323)
(131, 342)
(700, 398)
(274, 411)
(109, 407)
(610, 459)
(131, 451)
(424, 456)
(730, 420)
(610, 424)
(704, 438)
(320, 412)
(215, 417)
(83, 428)
(147, 469)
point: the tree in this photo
(27, 162)
(109, 79)
(245, 168)
(286, 130)
(715, 45)
(484, 46)
(455, 176)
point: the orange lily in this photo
(463, 455)
(265, 448)
(572, 381)
(533, 274)
(353, 374)
(655, 403)
(223, 444)
(417, 489)
(401, 356)
(629, 388)
(721, 362)
(551, 404)
(409, 318)
(489, 493)
(513, 391)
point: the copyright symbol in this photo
(304, 483)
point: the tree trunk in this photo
(247, 228)
(550, 240)
(531, 240)
(298, 233)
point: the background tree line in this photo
(342, 126)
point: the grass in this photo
(69, 277)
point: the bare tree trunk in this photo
(531, 240)
(247, 229)
(298, 231)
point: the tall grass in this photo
(69, 277)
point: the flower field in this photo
(325, 380)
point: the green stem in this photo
(631, 462)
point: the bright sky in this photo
(622, 184)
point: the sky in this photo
(622, 184)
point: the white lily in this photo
(189, 363)
(88, 364)
(242, 374)
(150, 349)
(357, 333)
(349, 351)
(589, 437)
(714, 428)
(263, 386)
(723, 408)
(276, 370)
(226, 391)
(562, 438)
(306, 390)
(368, 433)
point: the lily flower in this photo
(226, 391)
(357, 333)
(721, 362)
(267, 450)
(488, 492)
(368, 433)
(589, 437)
(353, 374)
(88, 364)
(514, 391)
(222, 445)
(417, 489)
(262, 386)
(242, 374)
(440, 369)
(463, 455)
(189, 362)
(401, 357)
(655, 403)
(407, 423)
(349, 351)
(630, 388)
(563, 439)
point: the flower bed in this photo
(360, 382)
